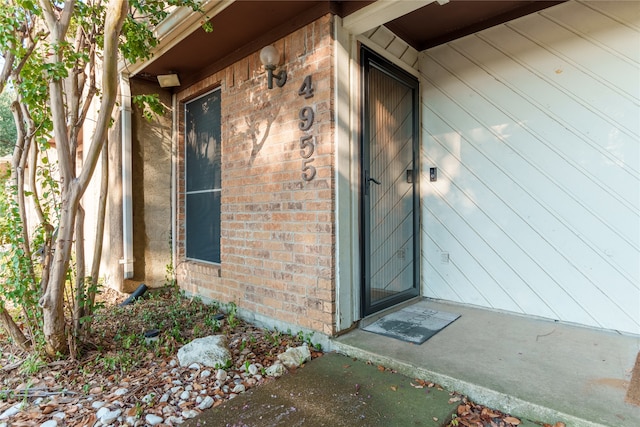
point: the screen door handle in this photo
(367, 182)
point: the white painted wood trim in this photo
(379, 13)
(346, 211)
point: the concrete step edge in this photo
(480, 394)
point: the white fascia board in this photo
(379, 13)
(180, 23)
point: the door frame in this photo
(369, 56)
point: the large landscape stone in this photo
(294, 357)
(209, 351)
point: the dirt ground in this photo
(116, 366)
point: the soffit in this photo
(245, 27)
(436, 24)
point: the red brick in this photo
(277, 230)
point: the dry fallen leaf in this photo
(488, 413)
(512, 420)
(90, 421)
(380, 368)
(48, 409)
(454, 399)
(463, 409)
(560, 424)
(394, 388)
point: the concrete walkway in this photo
(334, 391)
(535, 369)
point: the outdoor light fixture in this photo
(270, 58)
(168, 80)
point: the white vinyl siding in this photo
(392, 47)
(534, 126)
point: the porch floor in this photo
(536, 369)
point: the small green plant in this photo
(139, 410)
(176, 333)
(169, 277)
(32, 364)
(274, 337)
(232, 313)
(128, 341)
(227, 364)
(246, 365)
(307, 338)
(212, 323)
(243, 345)
(454, 420)
(197, 332)
(107, 362)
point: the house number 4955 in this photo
(307, 142)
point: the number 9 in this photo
(306, 118)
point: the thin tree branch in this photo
(97, 248)
(115, 15)
(80, 295)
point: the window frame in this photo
(213, 190)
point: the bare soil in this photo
(114, 357)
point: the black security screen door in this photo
(203, 183)
(390, 196)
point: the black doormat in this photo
(413, 324)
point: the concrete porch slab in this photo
(535, 369)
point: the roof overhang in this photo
(244, 27)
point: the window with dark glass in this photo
(203, 183)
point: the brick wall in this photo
(277, 230)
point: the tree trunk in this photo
(97, 248)
(72, 188)
(14, 330)
(52, 301)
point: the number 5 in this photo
(307, 142)
(308, 168)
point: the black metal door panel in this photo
(390, 214)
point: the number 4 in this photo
(306, 88)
